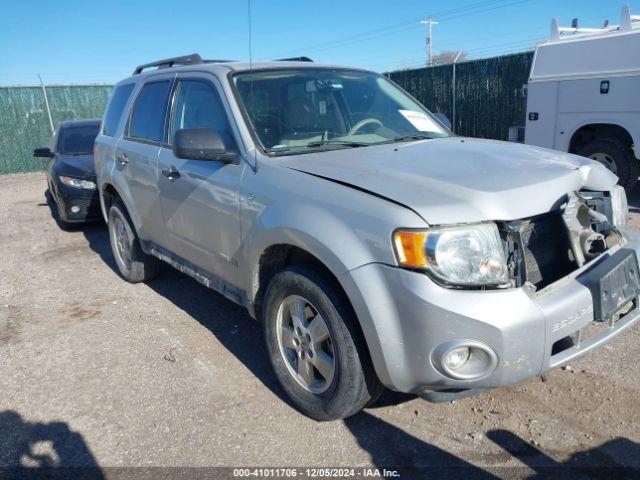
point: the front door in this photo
(200, 198)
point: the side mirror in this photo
(443, 119)
(43, 152)
(202, 144)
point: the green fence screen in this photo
(489, 94)
(489, 100)
(24, 123)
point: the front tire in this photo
(133, 264)
(617, 157)
(315, 347)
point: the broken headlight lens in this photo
(619, 207)
(469, 255)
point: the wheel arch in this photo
(590, 131)
(109, 193)
(275, 256)
(279, 256)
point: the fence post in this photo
(46, 102)
(453, 92)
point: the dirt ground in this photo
(98, 372)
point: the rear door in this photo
(201, 202)
(137, 156)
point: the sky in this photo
(101, 42)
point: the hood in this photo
(80, 166)
(460, 180)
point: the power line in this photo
(448, 14)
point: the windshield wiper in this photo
(318, 143)
(321, 143)
(413, 136)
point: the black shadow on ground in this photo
(616, 458)
(392, 448)
(43, 450)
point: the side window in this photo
(198, 105)
(149, 112)
(114, 110)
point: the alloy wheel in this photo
(121, 240)
(304, 341)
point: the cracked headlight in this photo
(469, 255)
(619, 207)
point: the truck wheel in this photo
(133, 264)
(617, 157)
(314, 346)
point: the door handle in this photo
(122, 159)
(171, 173)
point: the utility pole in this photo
(430, 23)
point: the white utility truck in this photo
(583, 94)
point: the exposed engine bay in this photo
(547, 247)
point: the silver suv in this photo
(378, 249)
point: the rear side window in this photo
(116, 106)
(150, 111)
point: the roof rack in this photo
(627, 22)
(294, 59)
(193, 59)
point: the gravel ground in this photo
(97, 372)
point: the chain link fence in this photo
(489, 93)
(24, 121)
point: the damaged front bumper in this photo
(406, 319)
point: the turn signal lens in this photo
(463, 255)
(410, 248)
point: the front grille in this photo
(538, 249)
(85, 202)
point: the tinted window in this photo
(116, 106)
(78, 140)
(198, 106)
(150, 111)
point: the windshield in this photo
(296, 110)
(78, 140)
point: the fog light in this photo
(464, 359)
(75, 209)
(456, 358)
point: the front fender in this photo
(328, 238)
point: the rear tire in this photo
(336, 379)
(133, 264)
(617, 157)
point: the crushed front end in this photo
(573, 286)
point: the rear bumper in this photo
(406, 317)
